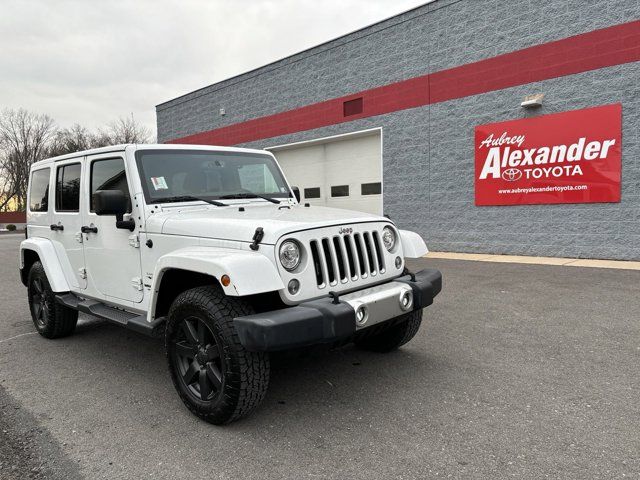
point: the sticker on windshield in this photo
(159, 183)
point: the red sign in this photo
(569, 157)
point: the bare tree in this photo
(24, 138)
(123, 130)
(69, 140)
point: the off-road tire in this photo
(393, 337)
(245, 374)
(51, 319)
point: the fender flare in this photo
(413, 245)
(250, 272)
(49, 259)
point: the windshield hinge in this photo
(136, 283)
(134, 241)
(257, 238)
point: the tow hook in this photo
(335, 297)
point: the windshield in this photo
(168, 175)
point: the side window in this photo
(39, 190)
(109, 175)
(68, 188)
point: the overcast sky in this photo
(90, 61)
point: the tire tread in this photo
(393, 337)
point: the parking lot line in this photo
(566, 262)
(17, 336)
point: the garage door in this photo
(343, 172)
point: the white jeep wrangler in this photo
(212, 246)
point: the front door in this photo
(67, 221)
(112, 255)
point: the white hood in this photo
(229, 223)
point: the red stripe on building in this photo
(13, 217)
(589, 51)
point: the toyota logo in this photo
(511, 175)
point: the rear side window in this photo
(109, 175)
(39, 190)
(68, 188)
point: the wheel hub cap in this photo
(201, 356)
(198, 359)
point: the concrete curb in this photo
(565, 262)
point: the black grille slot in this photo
(315, 255)
(358, 239)
(340, 258)
(327, 255)
(352, 264)
(369, 248)
(377, 243)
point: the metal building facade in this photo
(427, 78)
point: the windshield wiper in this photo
(250, 195)
(188, 198)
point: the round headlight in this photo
(290, 254)
(388, 238)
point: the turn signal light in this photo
(225, 280)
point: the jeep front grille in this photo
(345, 258)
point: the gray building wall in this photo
(428, 157)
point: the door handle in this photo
(85, 229)
(55, 227)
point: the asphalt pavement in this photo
(518, 371)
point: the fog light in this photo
(398, 262)
(293, 287)
(406, 300)
(362, 315)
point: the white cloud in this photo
(92, 61)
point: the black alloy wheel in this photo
(216, 377)
(51, 319)
(196, 353)
(39, 303)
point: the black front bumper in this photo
(321, 321)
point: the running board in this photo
(137, 323)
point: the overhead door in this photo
(341, 172)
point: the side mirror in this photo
(296, 193)
(113, 202)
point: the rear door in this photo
(67, 220)
(112, 255)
